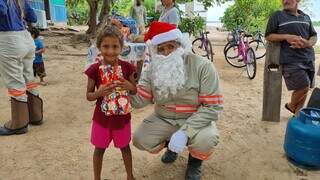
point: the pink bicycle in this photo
(240, 54)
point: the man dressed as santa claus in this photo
(185, 90)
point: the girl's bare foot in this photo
(43, 83)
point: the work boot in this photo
(169, 157)
(19, 119)
(193, 169)
(35, 105)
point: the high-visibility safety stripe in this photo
(31, 85)
(200, 155)
(16, 92)
(182, 108)
(216, 99)
(144, 93)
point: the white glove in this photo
(178, 141)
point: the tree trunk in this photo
(92, 23)
(105, 9)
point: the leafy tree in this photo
(106, 9)
(205, 3)
(103, 16)
(253, 14)
(77, 11)
(316, 23)
(249, 14)
(123, 7)
(192, 25)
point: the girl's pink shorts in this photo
(101, 136)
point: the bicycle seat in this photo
(248, 35)
(207, 32)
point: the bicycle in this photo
(258, 44)
(232, 38)
(202, 46)
(240, 54)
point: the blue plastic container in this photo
(302, 139)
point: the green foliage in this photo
(192, 25)
(206, 3)
(149, 4)
(317, 49)
(316, 23)
(78, 11)
(250, 14)
(152, 16)
(122, 7)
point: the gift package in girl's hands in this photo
(118, 102)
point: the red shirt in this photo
(114, 121)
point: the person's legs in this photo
(13, 49)
(121, 139)
(127, 159)
(200, 148)
(35, 103)
(298, 99)
(28, 73)
(152, 134)
(298, 79)
(100, 138)
(34, 67)
(169, 156)
(142, 29)
(19, 119)
(41, 73)
(97, 162)
(42, 82)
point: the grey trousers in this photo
(16, 59)
(153, 133)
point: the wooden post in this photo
(272, 84)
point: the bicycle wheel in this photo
(233, 57)
(225, 47)
(199, 48)
(251, 64)
(258, 47)
(209, 51)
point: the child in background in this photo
(38, 64)
(94, 55)
(139, 13)
(109, 83)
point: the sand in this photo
(250, 149)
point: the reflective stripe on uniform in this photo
(31, 85)
(144, 92)
(182, 108)
(16, 92)
(216, 99)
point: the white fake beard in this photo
(168, 73)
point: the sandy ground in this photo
(250, 149)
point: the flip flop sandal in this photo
(287, 107)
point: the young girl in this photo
(109, 83)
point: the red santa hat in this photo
(160, 32)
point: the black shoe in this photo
(169, 157)
(7, 132)
(194, 168)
